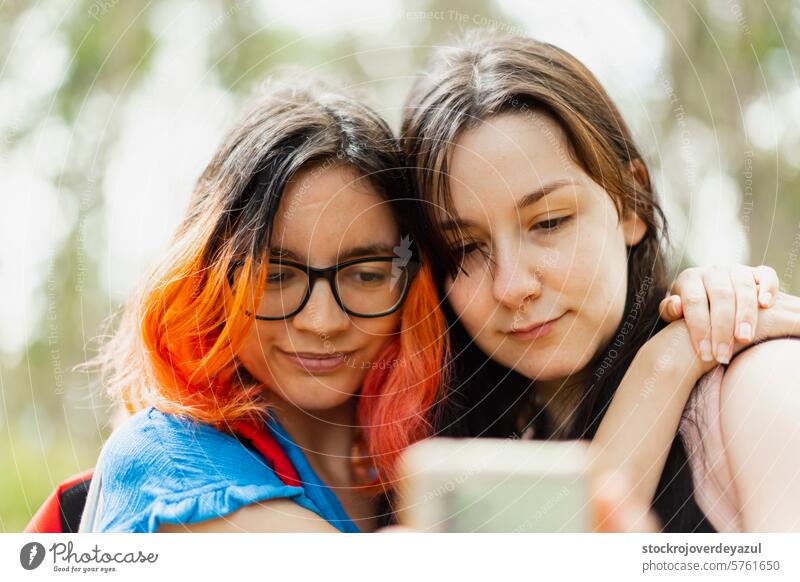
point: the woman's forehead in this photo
(330, 212)
(529, 143)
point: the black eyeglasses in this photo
(367, 287)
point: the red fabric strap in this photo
(265, 443)
(48, 518)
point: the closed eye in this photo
(470, 252)
(467, 249)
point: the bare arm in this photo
(642, 420)
(275, 516)
(720, 307)
(760, 419)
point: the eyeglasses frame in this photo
(329, 274)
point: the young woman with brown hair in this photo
(551, 243)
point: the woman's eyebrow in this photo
(281, 253)
(527, 200)
(375, 249)
(456, 224)
(539, 193)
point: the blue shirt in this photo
(161, 468)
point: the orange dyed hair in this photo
(176, 345)
(396, 403)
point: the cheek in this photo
(376, 334)
(471, 300)
(254, 350)
(598, 277)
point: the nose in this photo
(322, 314)
(515, 279)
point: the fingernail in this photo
(766, 298)
(705, 351)
(723, 357)
(745, 331)
(676, 301)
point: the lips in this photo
(535, 330)
(317, 355)
(317, 362)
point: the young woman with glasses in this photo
(291, 295)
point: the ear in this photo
(640, 173)
(633, 226)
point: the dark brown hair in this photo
(489, 76)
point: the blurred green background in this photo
(109, 110)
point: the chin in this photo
(316, 393)
(547, 365)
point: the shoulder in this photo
(152, 425)
(273, 516)
(185, 452)
(158, 440)
(133, 445)
(760, 385)
(764, 369)
(760, 411)
(744, 397)
(158, 467)
(737, 417)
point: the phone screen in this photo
(486, 485)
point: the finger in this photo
(768, 284)
(683, 276)
(722, 307)
(790, 303)
(694, 304)
(745, 292)
(782, 320)
(722, 302)
(610, 489)
(670, 309)
(615, 509)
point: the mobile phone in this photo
(494, 485)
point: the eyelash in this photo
(465, 250)
(556, 224)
